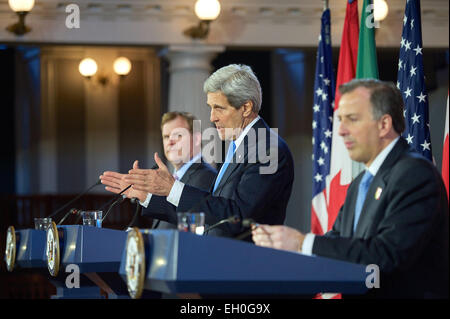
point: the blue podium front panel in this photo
(30, 251)
(92, 249)
(182, 262)
(97, 253)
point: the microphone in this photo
(71, 211)
(73, 200)
(231, 220)
(135, 200)
(247, 223)
(76, 211)
(119, 198)
(136, 214)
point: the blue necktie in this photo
(362, 192)
(227, 161)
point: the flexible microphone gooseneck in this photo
(139, 207)
(72, 211)
(136, 214)
(230, 220)
(118, 199)
(75, 199)
(247, 223)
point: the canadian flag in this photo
(445, 153)
(341, 166)
(325, 208)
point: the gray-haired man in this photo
(255, 180)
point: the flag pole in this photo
(325, 4)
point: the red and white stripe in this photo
(326, 205)
(445, 154)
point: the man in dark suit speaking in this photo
(255, 180)
(395, 214)
(182, 148)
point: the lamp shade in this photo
(88, 67)
(207, 9)
(122, 66)
(380, 10)
(21, 5)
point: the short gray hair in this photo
(238, 83)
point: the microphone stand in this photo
(73, 200)
(232, 220)
(248, 222)
(119, 199)
(139, 208)
(136, 214)
(72, 211)
(157, 224)
(75, 211)
(244, 234)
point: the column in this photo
(190, 66)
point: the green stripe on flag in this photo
(367, 66)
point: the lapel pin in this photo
(378, 193)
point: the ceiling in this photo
(244, 23)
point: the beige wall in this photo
(83, 127)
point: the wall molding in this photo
(249, 23)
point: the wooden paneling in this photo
(70, 126)
(132, 117)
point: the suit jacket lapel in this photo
(379, 183)
(230, 169)
(347, 230)
(242, 153)
(194, 167)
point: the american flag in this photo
(410, 81)
(324, 90)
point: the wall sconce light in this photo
(21, 8)
(206, 11)
(88, 68)
(122, 66)
(380, 10)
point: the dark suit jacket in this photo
(404, 231)
(199, 175)
(245, 190)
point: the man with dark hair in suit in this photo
(395, 214)
(182, 148)
(255, 180)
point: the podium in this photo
(185, 263)
(97, 254)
